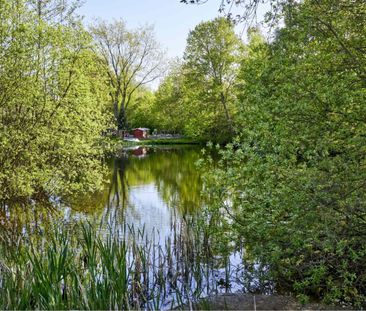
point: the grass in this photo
(164, 141)
(79, 267)
(171, 141)
(113, 143)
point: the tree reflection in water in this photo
(146, 186)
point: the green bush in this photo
(292, 185)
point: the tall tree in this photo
(132, 58)
(211, 65)
(170, 108)
(140, 112)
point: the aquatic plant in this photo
(82, 267)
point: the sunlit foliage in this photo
(51, 101)
(293, 182)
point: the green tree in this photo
(52, 101)
(141, 113)
(169, 106)
(211, 65)
(132, 59)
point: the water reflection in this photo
(149, 187)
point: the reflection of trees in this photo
(113, 194)
(171, 171)
(174, 173)
(118, 199)
(109, 204)
(25, 218)
(118, 187)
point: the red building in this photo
(141, 132)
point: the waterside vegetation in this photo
(119, 269)
(286, 114)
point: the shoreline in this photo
(242, 301)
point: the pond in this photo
(149, 188)
(146, 187)
(152, 196)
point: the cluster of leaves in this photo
(52, 97)
(292, 184)
(197, 96)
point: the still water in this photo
(149, 188)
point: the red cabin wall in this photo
(138, 134)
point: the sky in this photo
(172, 20)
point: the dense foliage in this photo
(292, 184)
(51, 101)
(197, 97)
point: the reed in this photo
(81, 267)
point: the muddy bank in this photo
(257, 302)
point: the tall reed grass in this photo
(79, 267)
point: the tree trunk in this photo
(122, 118)
(228, 118)
(115, 110)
